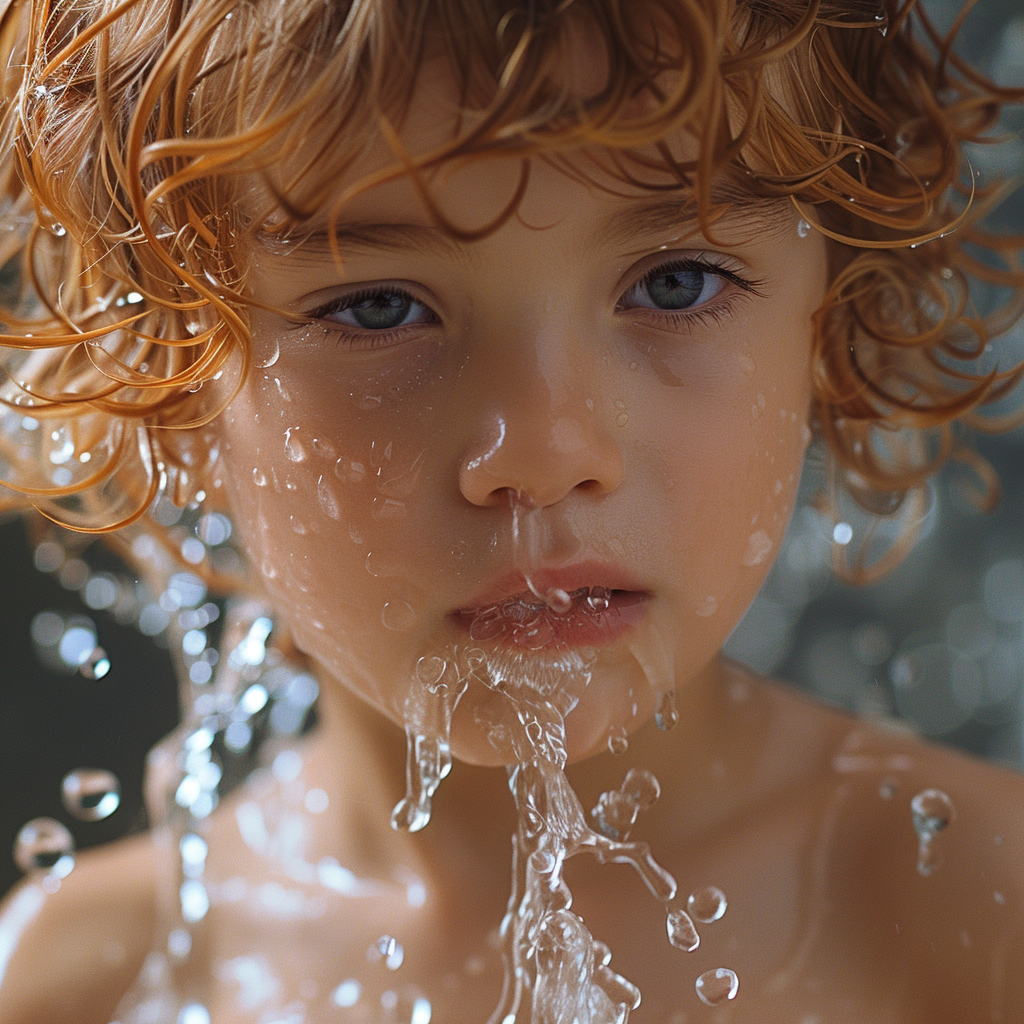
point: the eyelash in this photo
(712, 312)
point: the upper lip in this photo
(565, 577)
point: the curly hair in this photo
(133, 129)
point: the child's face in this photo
(586, 355)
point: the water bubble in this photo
(707, 904)
(259, 478)
(44, 843)
(666, 717)
(294, 449)
(717, 986)
(398, 615)
(681, 930)
(932, 812)
(91, 794)
(803, 228)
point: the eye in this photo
(681, 285)
(374, 310)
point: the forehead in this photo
(446, 144)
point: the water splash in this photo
(435, 692)
(682, 932)
(708, 904)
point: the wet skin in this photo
(659, 450)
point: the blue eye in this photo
(383, 309)
(677, 286)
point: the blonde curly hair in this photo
(131, 130)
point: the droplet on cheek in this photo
(259, 478)
(398, 616)
(270, 356)
(324, 448)
(294, 449)
(707, 607)
(328, 500)
(759, 546)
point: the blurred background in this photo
(86, 679)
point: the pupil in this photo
(677, 290)
(381, 312)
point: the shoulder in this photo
(70, 955)
(925, 859)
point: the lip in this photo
(507, 612)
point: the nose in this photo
(540, 434)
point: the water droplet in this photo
(297, 525)
(347, 993)
(398, 615)
(707, 607)
(558, 600)
(759, 546)
(45, 844)
(328, 499)
(618, 743)
(91, 794)
(96, 664)
(887, 789)
(324, 448)
(622, 419)
(707, 904)
(717, 986)
(747, 365)
(641, 786)
(430, 670)
(666, 717)
(294, 449)
(271, 356)
(932, 812)
(681, 930)
(350, 472)
(803, 228)
(259, 478)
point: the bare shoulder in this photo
(925, 859)
(71, 954)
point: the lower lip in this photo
(525, 626)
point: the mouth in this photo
(586, 616)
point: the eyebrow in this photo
(642, 218)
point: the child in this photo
(501, 332)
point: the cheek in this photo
(725, 450)
(331, 500)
